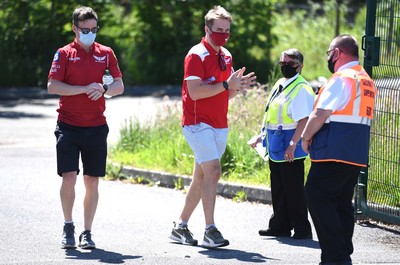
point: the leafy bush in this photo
(151, 39)
(161, 145)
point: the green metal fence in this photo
(378, 192)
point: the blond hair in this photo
(217, 12)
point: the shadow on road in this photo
(98, 254)
(26, 93)
(12, 102)
(19, 115)
(220, 253)
(309, 243)
(395, 229)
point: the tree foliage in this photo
(149, 37)
(31, 32)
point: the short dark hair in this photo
(83, 13)
(347, 44)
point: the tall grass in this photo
(384, 171)
(157, 144)
(161, 145)
(311, 33)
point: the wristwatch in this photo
(226, 85)
(105, 88)
(291, 143)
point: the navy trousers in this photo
(329, 192)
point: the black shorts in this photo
(89, 142)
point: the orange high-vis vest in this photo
(345, 135)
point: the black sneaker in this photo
(182, 235)
(213, 238)
(85, 240)
(68, 237)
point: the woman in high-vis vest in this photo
(337, 138)
(289, 105)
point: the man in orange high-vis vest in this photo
(337, 138)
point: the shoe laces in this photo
(186, 232)
(69, 230)
(214, 231)
(86, 235)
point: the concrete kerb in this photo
(224, 189)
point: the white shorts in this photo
(206, 142)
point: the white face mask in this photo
(87, 39)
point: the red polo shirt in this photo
(202, 62)
(74, 66)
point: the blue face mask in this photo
(87, 39)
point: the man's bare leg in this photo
(212, 173)
(91, 200)
(67, 194)
(194, 194)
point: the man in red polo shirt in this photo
(76, 75)
(209, 82)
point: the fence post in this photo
(360, 193)
(370, 44)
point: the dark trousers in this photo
(288, 198)
(329, 192)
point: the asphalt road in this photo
(132, 222)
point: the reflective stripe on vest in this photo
(281, 126)
(362, 97)
(345, 135)
(350, 119)
(277, 111)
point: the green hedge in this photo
(151, 37)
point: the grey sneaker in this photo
(85, 240)
(68, 237)
(182, 235)
(213, 238)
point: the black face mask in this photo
(288, 71)
(331, 65)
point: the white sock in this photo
(209, 226)
(182, 224)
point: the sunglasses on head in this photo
(222, 63)
(87, 30)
